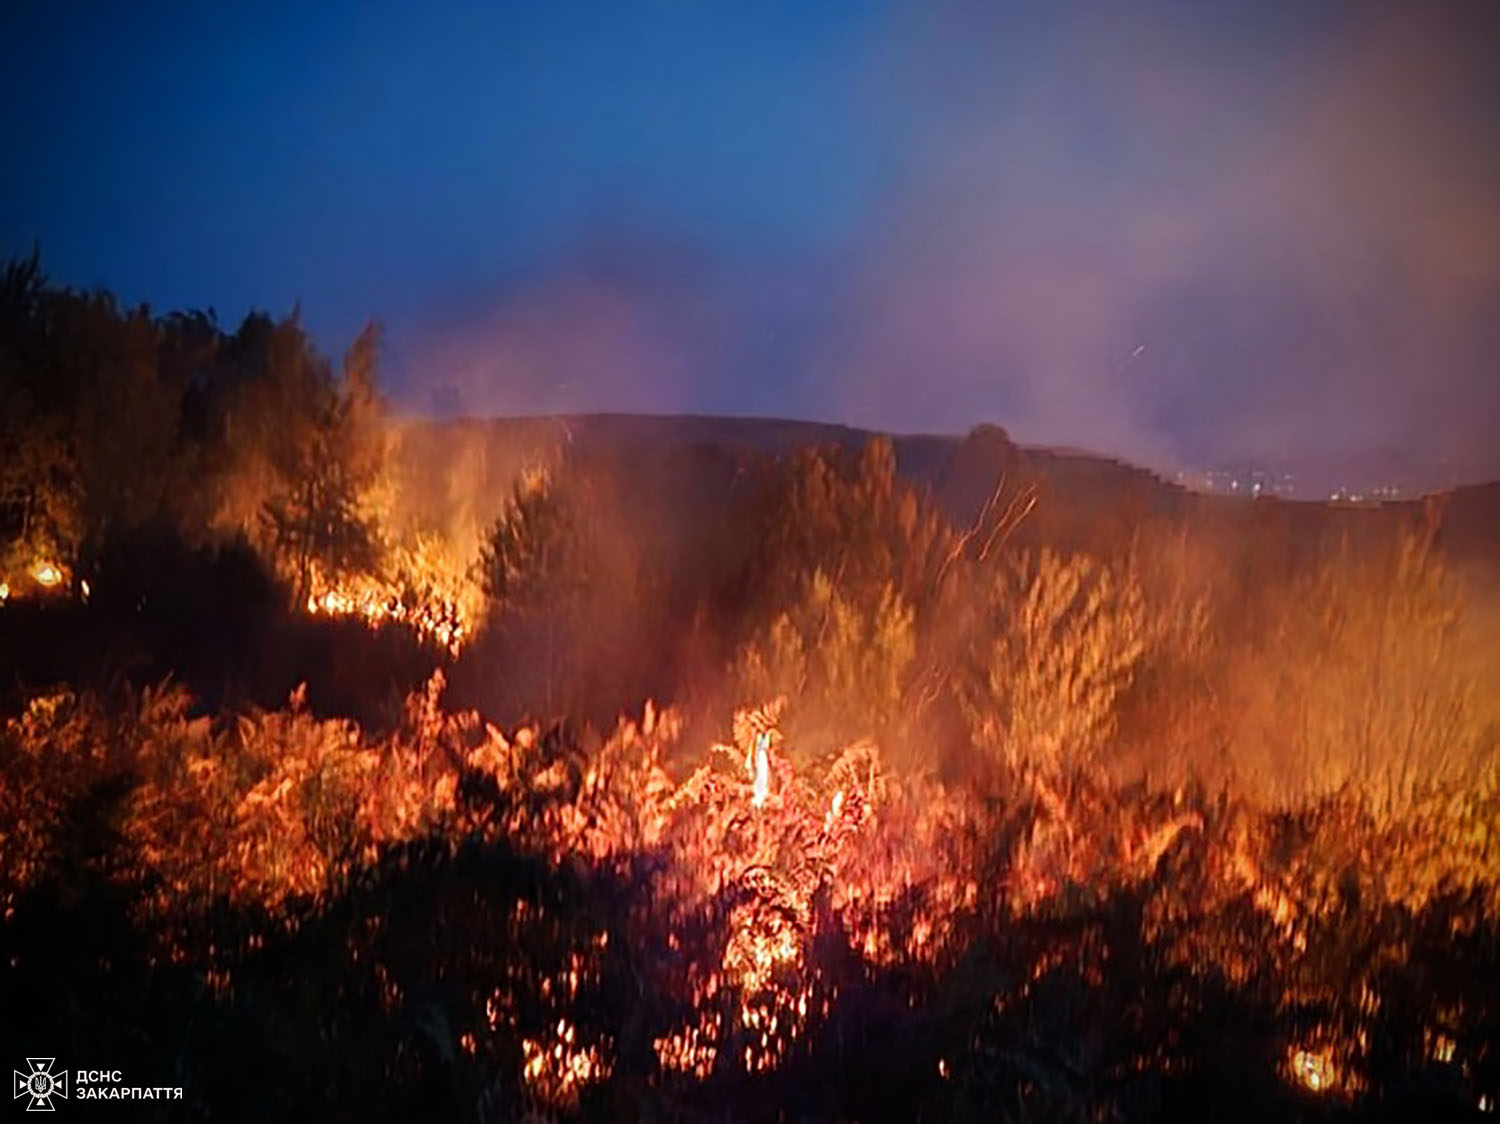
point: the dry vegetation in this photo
(547, 925)
(938, 822)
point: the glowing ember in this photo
(556, 1071)
(47, 574)
(692, 1051)
(1314, 1070)
(1442, 1048)
(752, 883)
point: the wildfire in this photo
(786, 854)
(418, 584)
(762, 882)
(692, 1051)
(45, 577)
(558, 1069)
(48, 575)
(759, 768)
(441, 622)
(1314, 1070)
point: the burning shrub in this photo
(859, 601)
(51, 755)
(559, 924)
(258, 814)
(848, 664)
(1061, 642)
(1359, 684)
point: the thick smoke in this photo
(1174, 232)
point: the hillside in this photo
(462, 470)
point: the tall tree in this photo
(39, 510)
(305, 450)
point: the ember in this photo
(1314, 1070)
(47, 574)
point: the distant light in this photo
(83, 587)
(47, 574)
(4, 592)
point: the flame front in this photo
(762, 897)
(441, 621)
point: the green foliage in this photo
(51, 755)
(575, 587)
(88, 422)
(39, 494)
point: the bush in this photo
(1359, 685)
(849, 664)
(1060, 642)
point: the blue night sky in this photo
(1170, 230)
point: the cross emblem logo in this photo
(41, 1085)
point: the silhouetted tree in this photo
(305, 451)
(39, 500)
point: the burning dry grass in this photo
(759, 908)
(42, 578)
(419, 585)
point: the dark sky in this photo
(1174, 230)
